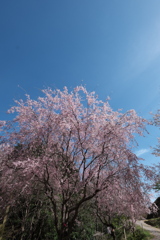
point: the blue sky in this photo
(111, 47)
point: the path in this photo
(154, 231)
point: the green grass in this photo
(155, 222)
(140, 234)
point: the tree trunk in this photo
(4, 222)
(125, 234)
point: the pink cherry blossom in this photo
(75, 148)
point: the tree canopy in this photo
(156, 122)
(72, 148)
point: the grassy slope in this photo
(155, 222)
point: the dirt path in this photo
(154, 231)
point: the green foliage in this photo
(30, 219)
(132, 233)
(157, 187)
(84, 228)
(85, 225)
(139, 234)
